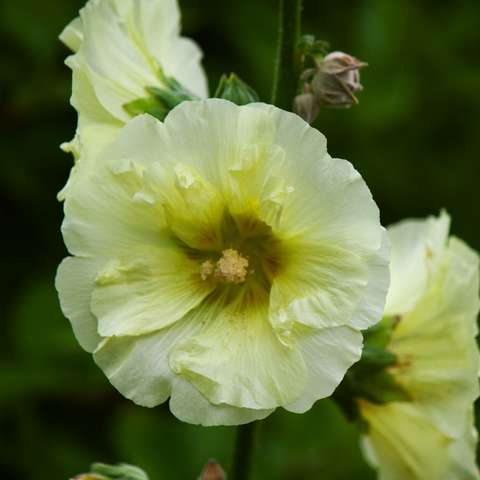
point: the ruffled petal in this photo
(331, 203)
(318, 285)
(138, 367)
(438, 354)
(144, 290)
(118, 66)
(184, 65)
(72, 34)
(189, 405)
(417, 246)
(238, 360)
(463, 454)
(92, 116)
(75, 282)
(370, 309)
(403, 443)
(101, 216)
(328, 353)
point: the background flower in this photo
(239, 189)
(123, 46)
(434, 302)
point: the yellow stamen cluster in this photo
(207, 269)
(231, 268)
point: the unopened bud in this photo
(123, 471)
(306, 106)
(337, 79)
(236, 90)
(213, 471)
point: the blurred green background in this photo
(414, 137)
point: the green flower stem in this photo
(287, 68)
(246, 444)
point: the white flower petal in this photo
(75, 282)
(145, 290)
(405, 445)
(104, 218)
(72, 34)
(370, 309)
(92, 115)
(239, 360)
(331, 203)
(417, 246)
(328, 353)
(319, 286)
(138, 367)
(189, 405)
(438, 354)
(463, 454)
(184, 64)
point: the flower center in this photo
(231, 268)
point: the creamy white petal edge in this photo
(102, 220)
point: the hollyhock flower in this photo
(223, 259)
(433, 303)
(121, 47)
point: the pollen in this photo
(232, 267)
(207, 269)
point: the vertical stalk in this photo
(246, 444)
(287, 67)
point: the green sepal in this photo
(373, 358)
(236, 90)
(121, 471)
(161, 100)
(380, 334)
(171, 98)
(380, 388)
(369, 379)
(151, 105)
(317, 49)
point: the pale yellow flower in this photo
(434, 300)
(223, 259)
(121, 47)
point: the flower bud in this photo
(306, 106)
(236, 90)
(212, 471)
(123, 471)
(337, 79)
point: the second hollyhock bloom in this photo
(433, 306)
(121, 47)
(223, 259)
